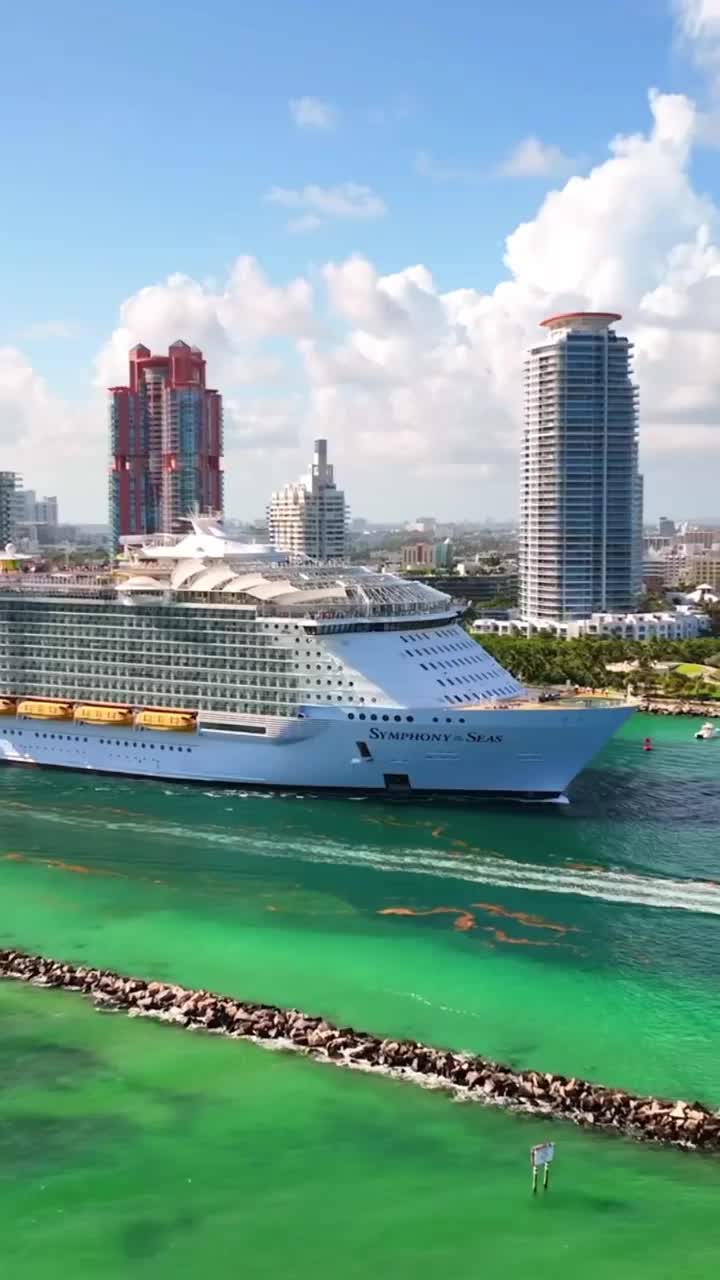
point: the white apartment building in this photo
(581, 495)
(309, 517)
(681, 624)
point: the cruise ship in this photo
(197, 658)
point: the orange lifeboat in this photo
(8, 706)
(103, 715)
(166, 721)
(45, 710)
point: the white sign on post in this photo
(542, 1154)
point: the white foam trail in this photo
(477, 868)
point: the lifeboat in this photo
(45, 710)
(103, 715)
(8, 706)
(173, 721)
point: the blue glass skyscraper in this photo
(581, 494)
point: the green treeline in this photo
(546, 660)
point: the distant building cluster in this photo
(681, 555)
(25, 518)
(427, 555)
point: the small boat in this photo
(177, 721)
(95, 714)
(45, 710)
(708, 731)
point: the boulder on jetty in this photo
(679, 707)
(690, 1125)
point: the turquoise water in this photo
(580, 938)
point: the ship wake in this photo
(474, 867)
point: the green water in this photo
(581, 939)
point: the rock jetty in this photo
(690, 1125)
(679, 707)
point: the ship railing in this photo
(355, 610)
(56, 584)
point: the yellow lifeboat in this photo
(103, 715)
(173, 721)
(8, 706)
(45, 710)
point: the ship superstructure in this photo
(202, 658)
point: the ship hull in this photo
(525, 754)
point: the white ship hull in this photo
(519, 753)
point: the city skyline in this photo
(379, 262)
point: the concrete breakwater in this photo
(679, 707)
(468, 1076)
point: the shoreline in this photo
(679, 707)
(469, 1077)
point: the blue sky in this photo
(142, 141)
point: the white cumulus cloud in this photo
(419, 388)
(347, 200)
(532, 158)
(312, 113)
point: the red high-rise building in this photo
(166, 442)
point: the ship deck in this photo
(571, 702)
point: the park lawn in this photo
(697, 669)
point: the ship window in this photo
(351, 715)
(397, 717)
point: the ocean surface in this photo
(579, 938)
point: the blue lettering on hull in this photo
(419, 735)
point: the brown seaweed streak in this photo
(524, 917)
(464, 920)
(501, 936)
(77, 868)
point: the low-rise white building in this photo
(681, 624)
